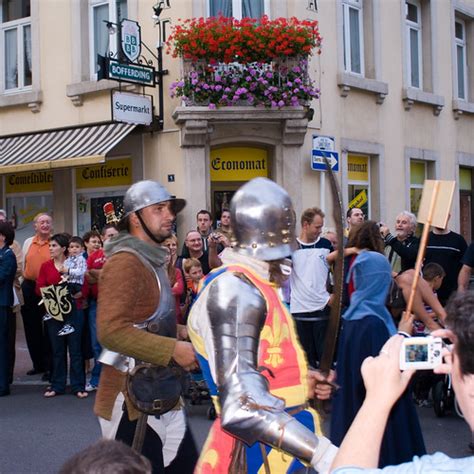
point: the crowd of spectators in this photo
(52, 281)
(379, 262)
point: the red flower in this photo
(221, 39)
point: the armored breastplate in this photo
(163, 320)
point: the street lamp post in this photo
(160, 72)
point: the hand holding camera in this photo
(387, 375)
(421, 353)
(213, 239)
(383, 379)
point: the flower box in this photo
(226, 62)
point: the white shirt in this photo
(309, 276)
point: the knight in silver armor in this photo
(136, 325)
(247, 344)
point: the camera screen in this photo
(416, 353)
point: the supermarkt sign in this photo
(143, 75)
(132, 108)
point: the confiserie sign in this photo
(111, 173)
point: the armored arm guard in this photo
(237, 312)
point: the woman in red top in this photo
(49, 275)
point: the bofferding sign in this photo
(132, 108)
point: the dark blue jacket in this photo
(7, 275)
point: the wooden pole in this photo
(421, 250)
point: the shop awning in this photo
(60, 148)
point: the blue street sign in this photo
(318, 163)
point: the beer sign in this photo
(131, 39)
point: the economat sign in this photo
(238, 163)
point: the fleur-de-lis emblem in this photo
(275, 337)
(57, 301)
(211, 457)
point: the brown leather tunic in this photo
(128, 295)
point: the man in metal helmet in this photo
(136, 323)
(248, 349)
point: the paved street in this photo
(37, 435)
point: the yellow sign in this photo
(111, 173)
(359, 200)
(358, 168)
(30, 182)
(238, 163)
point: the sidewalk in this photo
(22, 361)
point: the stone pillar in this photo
(292, 175)
(294, 132)
(197, 183)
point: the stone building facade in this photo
(397, 98)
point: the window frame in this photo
(358, 6)
(113, 37)
(418, 27)
(354, 182)
(463, 44)
(416, 185)
(18, 25)
(237, 8)
(430, 157)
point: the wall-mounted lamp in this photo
(159, 7)
(111, 27)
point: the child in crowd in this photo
(433, 274)
(424, 380)
(193, 272)
(73, 271)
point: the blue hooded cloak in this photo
(367, 325)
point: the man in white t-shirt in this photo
(309, 294)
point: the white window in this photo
(353, 36)
(461, 62)
(414, 42)
(15, 41)
(238, 8)
(104, 15)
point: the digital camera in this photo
(421, 353)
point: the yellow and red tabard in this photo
(280, 352)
